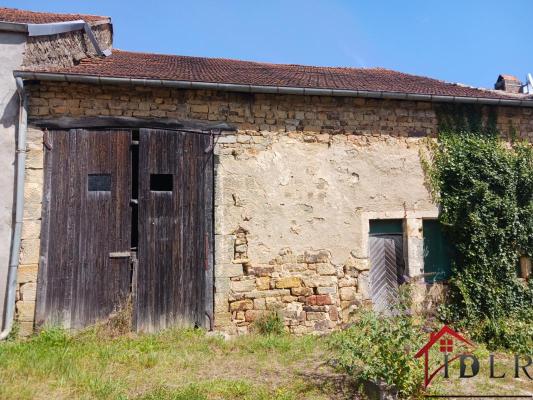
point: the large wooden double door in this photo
(127, 217)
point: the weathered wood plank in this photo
(128, 122)
(386, 267)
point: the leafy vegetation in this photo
(485, 191)
(270, 324)
(381, 348)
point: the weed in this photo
(270, 324)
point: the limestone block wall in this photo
(31, 232)
(65, 49)
(295, 188)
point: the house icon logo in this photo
(447, 341)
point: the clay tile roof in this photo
(126, 64)
(34, 17)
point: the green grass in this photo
(174, 364)
(188, 364)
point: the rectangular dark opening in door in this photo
(161, 182)
(99, 182)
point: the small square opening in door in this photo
(161, 182)
(99, 183)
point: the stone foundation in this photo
(311, 293)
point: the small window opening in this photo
(161, 182)
(99, 182)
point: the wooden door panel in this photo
(174, 276)
(86, 216)
(386, 267)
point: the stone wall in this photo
(295, 188)
(65, 49)
(31, 232)
(292, 217)
(260, 112)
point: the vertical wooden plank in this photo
(60, 274)
(208, 188)
(79, 287)
(42, 274)
(144, 300)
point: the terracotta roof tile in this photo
(33, 17)
(217, 70)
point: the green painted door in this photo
(437, 252)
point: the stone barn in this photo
(209, 192)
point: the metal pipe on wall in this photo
(19, 210)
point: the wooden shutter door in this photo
(174, 275)
(386, 267)
(86, 216)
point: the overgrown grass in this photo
(188, 364)
(175, 364)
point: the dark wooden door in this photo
(386, 270)
(86, 216)
(174, 275)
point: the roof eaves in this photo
(95, 79)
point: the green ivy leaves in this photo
(485, 190)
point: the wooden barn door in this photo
(86, 218)
(174, 274)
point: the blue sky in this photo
(455, 40)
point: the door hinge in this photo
(120, 254)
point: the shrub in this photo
(381, 348)
(270, 324)
(510, 333)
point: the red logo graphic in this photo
(445, 338)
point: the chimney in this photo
(508, 83)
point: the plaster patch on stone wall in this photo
(308, 195)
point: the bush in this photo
(270, 324)
(511, 333)
(381, 348)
